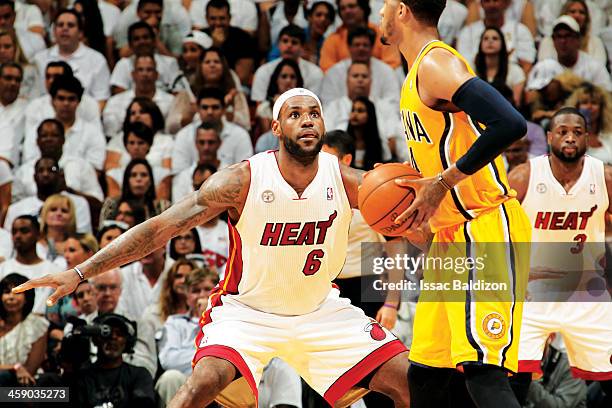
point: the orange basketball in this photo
(381, 200)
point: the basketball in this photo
(381, 200)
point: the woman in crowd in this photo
(77, 249)
(185, 244)
(142, 110)
(122, 210)
(286, 75)
(23, 335)
(138, 186)
(137, 140)
(321, 15)
(58, 222)
(363, 128)
(194, 45)
(216, 73)
(591, 44)
(493, 65)
(10, 50)
(93, 28)
(596, 105)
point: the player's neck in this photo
(298, 174)
(416, 41)
(566, 173)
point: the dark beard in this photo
(302, 156)
(567, 159)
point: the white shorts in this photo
(586, 328)
(332, 348)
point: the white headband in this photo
(290, 94)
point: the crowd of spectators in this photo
(111, 110)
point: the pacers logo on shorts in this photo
(494, 326)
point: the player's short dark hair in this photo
(218, 4)
(9, 3)
(567, 110)
(137, 26)
(11, 64)
(214, 93)
(58, 125)
(33, 220)
(140, 130)
(361, 32)
(66, 83)
(341, 141)
(141, 3)
(75, 13)
(293, 31)
(63, 64)
(426, 11)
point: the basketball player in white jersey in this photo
(567, 196)
(289, 214)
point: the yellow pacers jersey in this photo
(436, 140)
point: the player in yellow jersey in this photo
(457, 125)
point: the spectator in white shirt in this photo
(566, 39)
(41, 108)
(144, 75)
(244, 15)
(84, 140)
(142, 282)
(47, 175)
(30, 41)
(25, 234)
(142, 110)
(290, 42)
(141, 41)
(521, 46)
(12, 109)
(180, 330)
(207, 143)
(137, 139)
(171, 24)
(11, 51)
(451, 21)
(88, 65)
(384, 81)
(589, 43)
(235, 141)
(79, 175)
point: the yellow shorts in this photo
(470, 311)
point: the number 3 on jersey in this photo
(313, 262)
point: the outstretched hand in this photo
(64, 284)
(429, 194)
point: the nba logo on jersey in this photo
(330, 193)
(592, 188)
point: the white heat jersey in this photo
(285, 250)
(575, 219)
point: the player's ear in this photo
(276, 128)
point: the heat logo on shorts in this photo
(376, 331)
(493, 326)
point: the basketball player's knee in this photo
(209, 378)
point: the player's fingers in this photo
(46, 280)
(379, 316)
(377, 164)
(59, 293)
(405, 182)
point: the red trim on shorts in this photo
(591, 375)
(368, 364)
(529, 366)
(231, 355)
(335, 286)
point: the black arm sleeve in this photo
(504, 124)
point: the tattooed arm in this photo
(223, 191)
